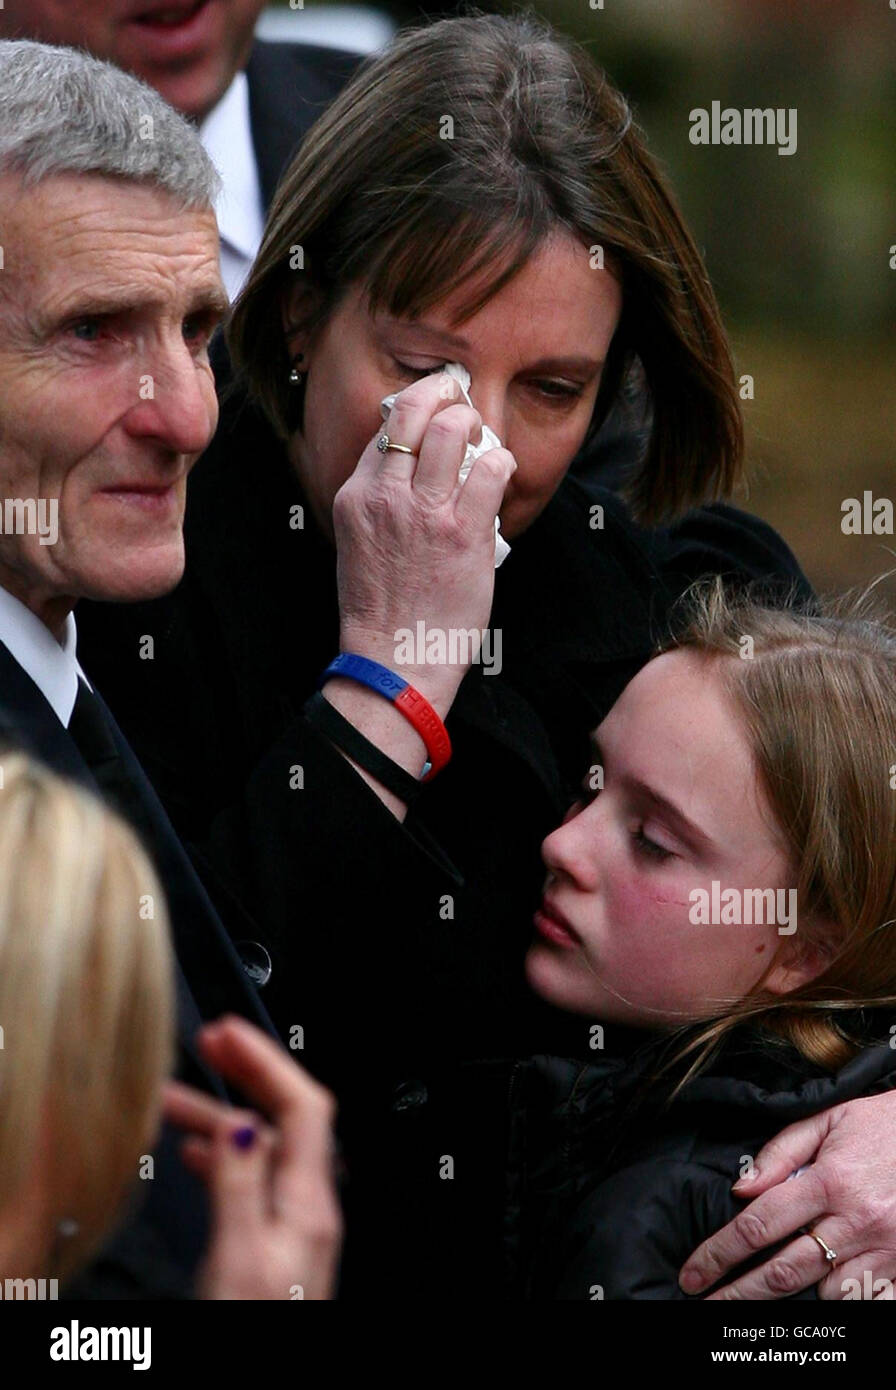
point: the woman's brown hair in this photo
(447, 162)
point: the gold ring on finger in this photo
(829, 1254)
(384, 443)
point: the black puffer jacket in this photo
(607, 1200)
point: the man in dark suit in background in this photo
(253, 101)
(109, 294)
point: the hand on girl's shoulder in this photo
(631, 1234)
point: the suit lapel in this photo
(289, 86)
(203, 946)
(28, 721)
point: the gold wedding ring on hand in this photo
(384, 443)
(416, 412)
(829, 1254)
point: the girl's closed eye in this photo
(649, 848)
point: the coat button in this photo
(256, 962)
(409, 1095)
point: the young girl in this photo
(723, 902)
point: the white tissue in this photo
(489, 441)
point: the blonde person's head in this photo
(816, 690)
(86, 1005)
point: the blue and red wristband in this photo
(415, 708)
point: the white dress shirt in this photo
(52, 666)
(226, 134)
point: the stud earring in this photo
(295, 376)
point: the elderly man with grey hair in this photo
(109, 292)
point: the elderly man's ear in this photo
(300, 313)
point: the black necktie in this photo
(90, 728)
(205, 957)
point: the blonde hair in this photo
(816, 689)
(86, 999)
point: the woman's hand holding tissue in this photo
(415, 546)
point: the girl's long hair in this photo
(816, 691)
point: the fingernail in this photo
(243, 1138)
(691, 1281)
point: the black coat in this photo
(608, 1201)
(290, 84)
(397, 949)
(155, 1253)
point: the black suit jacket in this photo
(290, 84)
(155, 1253)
